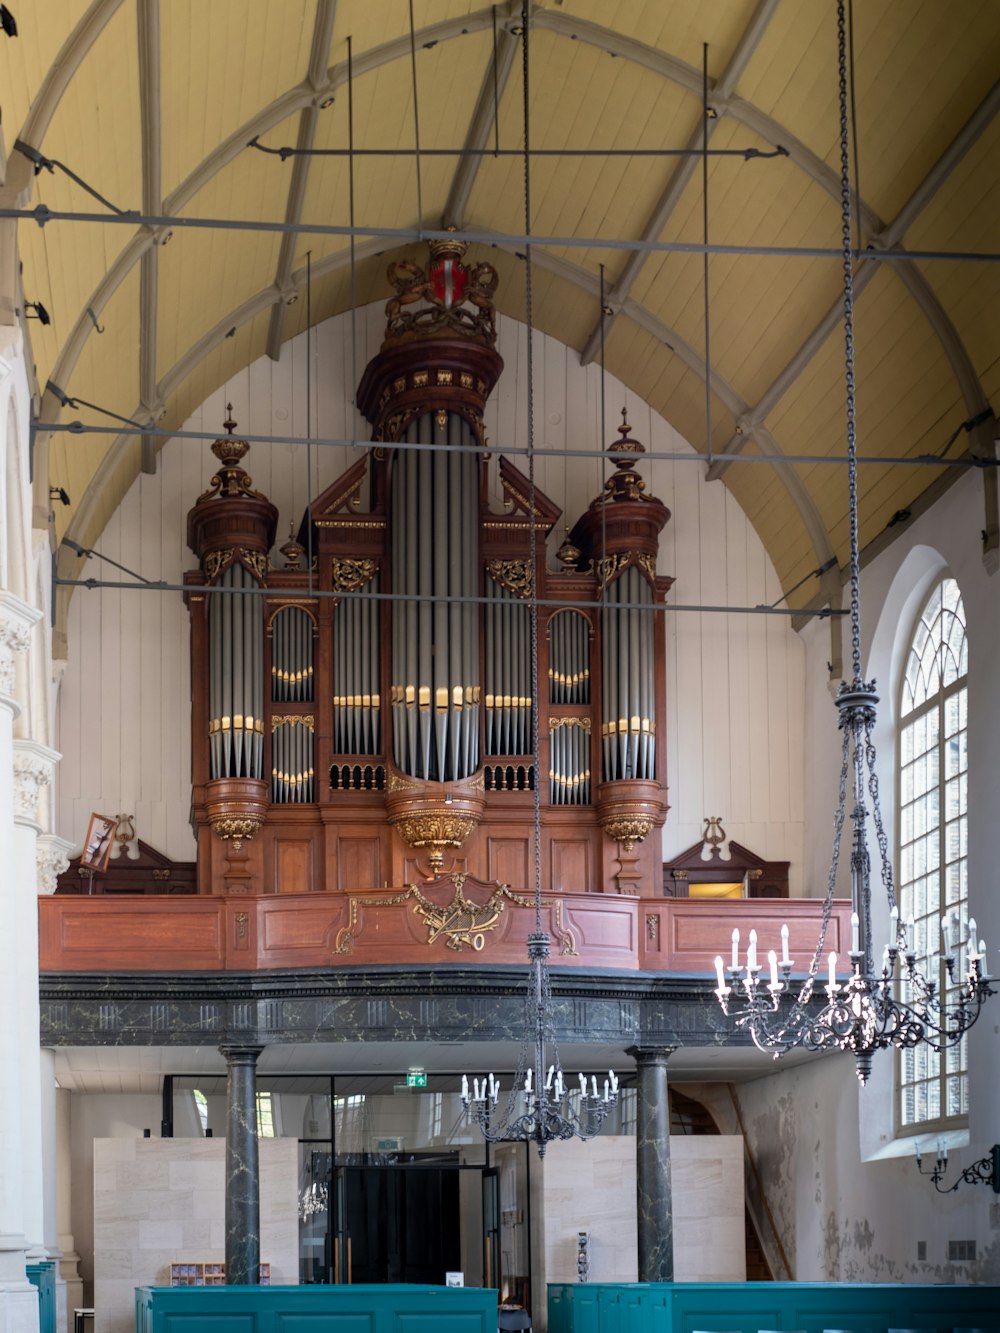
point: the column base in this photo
(18, 1308)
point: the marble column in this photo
(654, 1205)
(242, 1167)
(18, 1300)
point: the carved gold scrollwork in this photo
(461, 922)
(607, 568)
(556, 722)
(255, 561)
(514, 575)
(349, 575)
(563, 933)
(237, 828)
(293, 719)
(216, 561)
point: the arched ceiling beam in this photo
(775, 133)
(483, 119)
(290, 101)
(911, 277)
(148, 17)
(683, 171)
(60, 73)
(319, 55)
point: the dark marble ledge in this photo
(382, 981)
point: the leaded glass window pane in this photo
(933, 831)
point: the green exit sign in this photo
(416, 1078)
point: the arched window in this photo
(933, 833)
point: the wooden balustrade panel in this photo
(147, 934)
(690, 933)
(317, 930)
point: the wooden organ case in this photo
(346, 740)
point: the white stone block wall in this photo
(162, 1201)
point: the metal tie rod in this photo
(42, 215)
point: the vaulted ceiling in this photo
(153, 103)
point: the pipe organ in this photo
(395, 737)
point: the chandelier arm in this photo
(880, 834)
(831, 883)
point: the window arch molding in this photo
(931, 807)
(892, 608)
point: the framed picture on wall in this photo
(98, 843)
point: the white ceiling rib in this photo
(326, 13)
(720, 93)
(912, 278)
(482, 121)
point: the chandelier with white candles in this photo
(538, 1106)
(896, 1004)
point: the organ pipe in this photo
(628, 727)
(236, 696)
(569, 658)
(435, 639)
(356, 667)
(507, 670)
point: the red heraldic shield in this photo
(449, 279)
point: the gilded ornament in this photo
(237, 828)
(442, 295)
(434, 829)
(514, 575)
(255, 561)
(349, 575)
(628, 829)
(293, 719)
(556, 722)
(215, 561)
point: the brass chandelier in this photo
(895, 1004)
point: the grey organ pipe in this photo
(435, 643)
(236, 678)
(628, 726)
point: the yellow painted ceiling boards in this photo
(153, 105)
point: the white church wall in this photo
(734, 682)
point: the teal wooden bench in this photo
(749, 1307)
(316, 1309)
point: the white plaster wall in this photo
(843, 1219)
(735, 683)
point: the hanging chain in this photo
(533, 605)
(852, 458)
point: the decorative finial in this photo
(626, 445)
(568, 555)
(229, 423)
(292, 550)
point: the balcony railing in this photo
(437, 923)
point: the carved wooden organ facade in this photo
(363, 719)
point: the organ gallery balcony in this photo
(454, 920)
